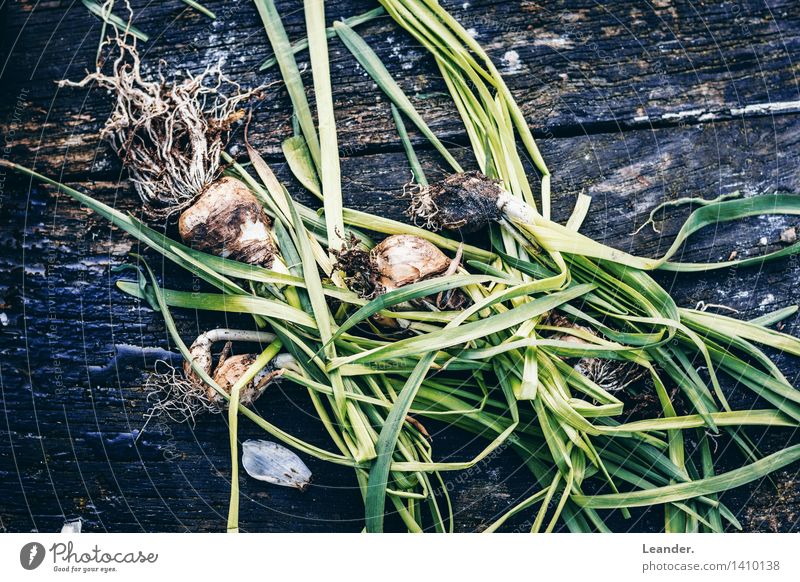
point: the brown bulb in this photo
(233, 368)
(227, 372)
(228, 221)
(403, 259)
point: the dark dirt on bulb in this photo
(359, 271)
(466, 201)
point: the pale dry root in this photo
(173, 395)
(168, 134)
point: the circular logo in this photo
(31, 555)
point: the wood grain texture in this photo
(73, 349)
(580, 67)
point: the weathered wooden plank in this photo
(69, 425)
(575, 67)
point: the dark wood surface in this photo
(632, 102)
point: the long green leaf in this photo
(329, 170)
(379, 472)
(302, 44)
(743, 329)
(449, 337)
(291, 74)
(735, 418)
(408, 293)
(554, 236)
(200, 8)
(226, 303)
(408, 147)
(691, 489)
(376, 69)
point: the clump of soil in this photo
(466, 201)
(359, 271)
(774, 508)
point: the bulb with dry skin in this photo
(182, 395)
(232, 368)
(467, 201)
(402, 259)
(397, 261)
(229, 368)
(228, 221)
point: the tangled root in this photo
(174, 395)
(611, 375)
(422, 208)
(182, 395)
(169, 135)
(466, 201)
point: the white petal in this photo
(274, 463)
(71, 527)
